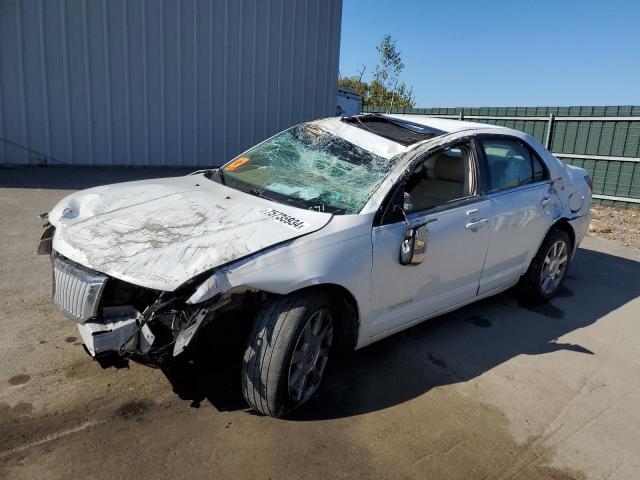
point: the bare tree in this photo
(361, 72)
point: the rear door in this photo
(522, 208)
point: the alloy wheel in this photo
(310, 356)
(554, 267)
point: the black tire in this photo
(278, 328)
(531, 284)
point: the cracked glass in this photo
(309, 167)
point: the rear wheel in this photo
(548, 268)
(287, 352)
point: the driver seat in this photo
(443, 181)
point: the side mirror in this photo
(414, 245)
(413, 248)
(407, 206)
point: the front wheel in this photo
(548, 268)
(287, 352)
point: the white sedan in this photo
(331, 234)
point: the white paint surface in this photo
(161, 233)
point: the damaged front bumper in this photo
(114, 317)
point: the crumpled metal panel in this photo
(161, 233)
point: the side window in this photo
(511, 164)
(441, 178)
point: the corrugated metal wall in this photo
(160, 82)
(618, 137)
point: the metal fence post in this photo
(547, 140)
(460, 116)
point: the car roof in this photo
(444, 124)
(455, 126)
(386, 147)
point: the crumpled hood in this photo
(160, 233)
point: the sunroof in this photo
(399, 131)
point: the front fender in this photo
(339, 254)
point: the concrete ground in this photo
(494, 390)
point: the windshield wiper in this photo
(323, 209)
(287, 199)
(258, 192)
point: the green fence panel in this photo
(634, 188)
(632, 142)
(609, 138)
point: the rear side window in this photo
(511, 164)
(539, 172)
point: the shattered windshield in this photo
(309, 167)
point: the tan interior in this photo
(441, 178)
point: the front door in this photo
(442, 188)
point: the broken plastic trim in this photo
(185, 334)
(197, 320)
(164, 300)
(45, 245)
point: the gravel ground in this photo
(619, 225)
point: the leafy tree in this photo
(386, 85)
(390, 66)
(399, 96)
(386, 89)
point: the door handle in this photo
(546, 201)
(476, 224)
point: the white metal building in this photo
(160, 82)
(349, 102)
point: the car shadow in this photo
(449, 349)
(210, 372)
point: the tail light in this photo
(589, 182)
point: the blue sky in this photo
(502, 53)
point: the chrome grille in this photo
(76, 292)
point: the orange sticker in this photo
(236, 163)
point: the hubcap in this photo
(310, 356)
(555, 264)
